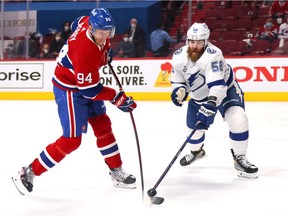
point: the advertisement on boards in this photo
(253, 75)
(147, 77)
(26, 76)
(16, 23)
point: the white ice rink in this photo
(80, 184)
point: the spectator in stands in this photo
(160, 41)
(20, 47)
(278, 10)
(283, 32)
(200, 4)
(125, 48)
(44, 54)
(249, 10)
(169, 11)
(268, 31)
(56, 44)
(224, 4)
(15, 48)
(137, 36)
(251, 3)
(266, 3)
(8, 49)
(66, 32)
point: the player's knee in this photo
(101, 125)
(68, 144)
(237, 119)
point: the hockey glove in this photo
(123, 102)
(110, 55)
(206, 114)
(179, 95)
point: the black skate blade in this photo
(157, 200)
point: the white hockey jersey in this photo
(283, 31)
(210, 75)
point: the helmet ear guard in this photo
(100, 18)
(198, 31)
(112, 32)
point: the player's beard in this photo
(194, 54)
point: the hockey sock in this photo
(54, 153)
(106, 141)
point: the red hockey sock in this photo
(54, 153)
(106, 141)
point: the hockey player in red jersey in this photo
(80, 98)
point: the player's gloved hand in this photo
(179, 95)
(123, 102)
(110, 55)
(206, 114)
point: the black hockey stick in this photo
(135, 131)
(152, 192)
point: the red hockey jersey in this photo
(79, 61)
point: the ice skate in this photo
(244, 167)
(193, 156)
(24, 180)
(122, 179)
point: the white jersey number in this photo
(81, 78)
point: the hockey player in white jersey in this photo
(200, 71)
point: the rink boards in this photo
(262, 79)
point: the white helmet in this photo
(198, 31)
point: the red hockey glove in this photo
(123, 102)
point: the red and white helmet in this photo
(198, 31)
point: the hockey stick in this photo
(135, 130)
(152, 192)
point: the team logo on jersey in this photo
(185, 68)
(163, 79)
(84, 128)
(211, 51)
(178, 51)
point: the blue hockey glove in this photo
(110, 55)
(206, 114)
(179, 95)
(123, 102)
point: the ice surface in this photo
(80, 185)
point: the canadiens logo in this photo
(285, 32)
(211, 51)
(83, 128)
